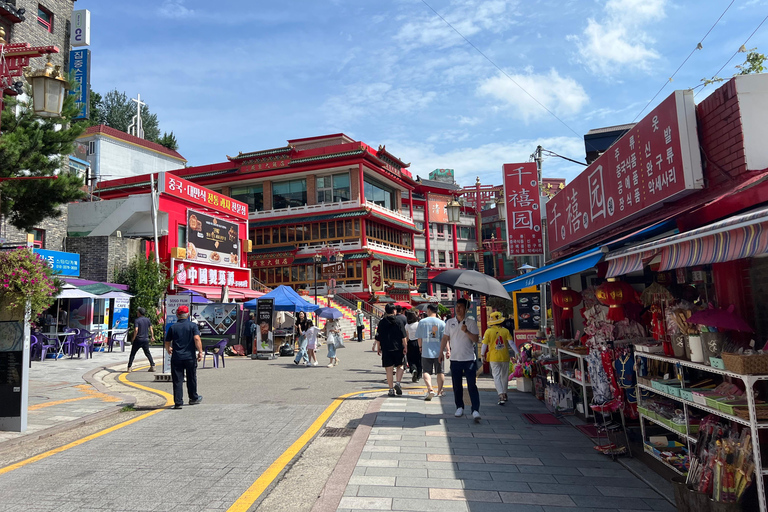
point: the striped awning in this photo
(737, 237)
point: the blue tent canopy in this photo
(286, 299)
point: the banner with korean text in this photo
(174, 186)
(523, 215)
(655, 162)
(376, 275)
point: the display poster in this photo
(523, 215)
(11, 368)
(172, 303)
(655, 162)
(438, 208)
(80, 314)
(376, 280)
(216, 319)
(264, 342)
(196, 274)
(100, 322)
(212, 240)
(120, 313)
(524, 336)
(527, 310)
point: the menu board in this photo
(527, 310)
(212, 240)
(264, 340)
(216, 319)
(11, 368)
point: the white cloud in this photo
(561, 95)
(468, 17)
(486, 160)
(175, 9)
(361, 100)
(618, 40)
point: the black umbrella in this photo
(472, 281)
(423, 307)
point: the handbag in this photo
(338, 342)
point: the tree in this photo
(37, 147)
(116, 110)
(169, 141)
(147, 281)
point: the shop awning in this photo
(214, 292)
(71, 292)
(572, 265)
(737, 237)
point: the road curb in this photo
(89, 378)
(331, 495)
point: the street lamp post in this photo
(318, 258)
(495, 247)
(327, 253)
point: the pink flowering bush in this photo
(24, 275)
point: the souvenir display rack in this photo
(583, 382)
(752, 423)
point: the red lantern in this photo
(614, 294)
(566, 299)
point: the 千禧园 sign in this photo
(212, 240)
(194, 274)
(80, 71)
(177, 187)
(377, 275)
(64, 263)
(438, 211)
(656, 161)
(523, 215)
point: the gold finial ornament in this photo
(2, 35)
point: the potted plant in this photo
(26, 278)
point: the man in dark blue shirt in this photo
(142, 333)
(182, 340)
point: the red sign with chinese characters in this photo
(656, 161)
(194, 274)
(438, 211)
(269, 261)
(523, 216)
(181, 188)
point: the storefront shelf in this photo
(662, 425)
(579, 382)
(702, 407)
(750, 379)
(670, 466)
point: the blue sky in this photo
(246, 75)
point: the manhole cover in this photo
(337, 432)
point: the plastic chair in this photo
(211, 350)
(47, 343)
(68, 344)
(119, 337)
(34, 346)
(84, 343)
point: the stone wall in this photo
(55, 231)
(29, 31)
(100, 256)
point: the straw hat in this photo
(496, 318)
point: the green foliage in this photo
(754, 63)
(147, 282)
(35, 147)
(25, 276)
(442, 310)
(116, 110)
(169, 141)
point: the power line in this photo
(697, 47)
(737, 51)
(552, 153)
(501, 70)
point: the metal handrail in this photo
(259, 286)
(350, 300)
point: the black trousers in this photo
(248, 346)
(135, 346)
(178, 369)
(414, 357)
(360, 332)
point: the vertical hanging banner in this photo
(80, 71)
(438, 211)
(377, 275)
(523, 215)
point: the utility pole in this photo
(543, 261)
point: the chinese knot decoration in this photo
(615, 294)
(566, 299)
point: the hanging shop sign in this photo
(80, 33)
(523, 215)
(438, 208)
(177, 187)
(64, 263)
(212, 240)
(195, 274)
(657, 161)
(335, 270)
(376, 280)
(80, 71)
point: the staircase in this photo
(347, 322)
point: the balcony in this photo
(396, 251)
(312, 248)
(386, 211)
(309, 209)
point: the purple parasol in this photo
(722, 319)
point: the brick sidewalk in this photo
(418, 456)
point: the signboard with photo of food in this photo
(212, 240)
(527, 310)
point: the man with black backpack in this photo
(391, 345)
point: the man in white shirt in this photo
(461, 336)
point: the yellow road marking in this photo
(85, 388)
(124, 379)
(45, 455)
(250, 496)
(57, 402)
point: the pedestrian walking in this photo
(142, 333)
(391, 345)
(400, 315)
(360, 324)
(248, 330)
(460, 339)
(311, 333)
(332, 332)
(414, 353)
(302, 324)
(430, 334)
(497, 343)
(182, 340)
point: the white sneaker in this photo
(459, 412)
(314, 363)
(330, 366)
(430, 395)
(476, 416)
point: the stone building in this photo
(44, 23)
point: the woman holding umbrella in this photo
(332, 332)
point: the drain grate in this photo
(337, 432)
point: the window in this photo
(379, 194)
(45, 18)
(289, 194)
(441, 258)
(419, 224)
(182, 236)
(333, 189)
(253, 196)
(421, 255)
(92, 147)
(466, 232)
(39, 235)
